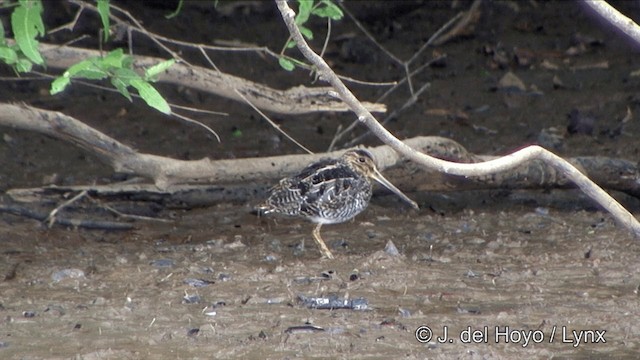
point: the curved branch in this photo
(489, 167)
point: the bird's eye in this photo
(362, 160)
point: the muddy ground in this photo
(219, 282)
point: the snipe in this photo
(329, 191)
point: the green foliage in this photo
(27, 26)
(306, 8)
(329, 10)
(153, 72)
(117, 67)
(103, 10)
(286, 63)
(26, 23)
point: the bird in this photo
(329, 191)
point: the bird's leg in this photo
(323, 247)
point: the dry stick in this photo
(256, 109)
(394, 114)
(340, 134)
(489, 167)
(51, 219)
(616, 18)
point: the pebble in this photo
(191, 299)
(163, 263)
(405, 313)
(304, 329)
(391, 249)
(198, 282)
(67, 273)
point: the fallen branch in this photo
(614, 174)
(480, 169)
(168, 173)
(296, 100)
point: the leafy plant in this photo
(118, 67)
(27, 25)
(306, 8)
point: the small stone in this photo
(163, 263)
(67, 274)
(510, 82)
(198, 282)
(191, 299)
(391, 249)
(405, 313)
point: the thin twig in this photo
(352, 126)
(394, 114)
(51, 218)
(158, 39)
(406, 66)
(70, 25)
(131, 216)
(368, 34)
(326, 38)
(264, 116)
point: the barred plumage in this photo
(329, 191)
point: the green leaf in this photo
(175, 13)
(330, 10)
(121, 86)
(3, 41)
(151, 96)
(103, 10)
(286, 64)
(59, 84)
(158, 68)
(8, 55)
(126, 75)
(115, 59)
(86, 69)
(24, 65)
(306, 32)
(290, 44)
(236, 133)
(304, 10)
(26, 23)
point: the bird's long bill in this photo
(382, 180)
